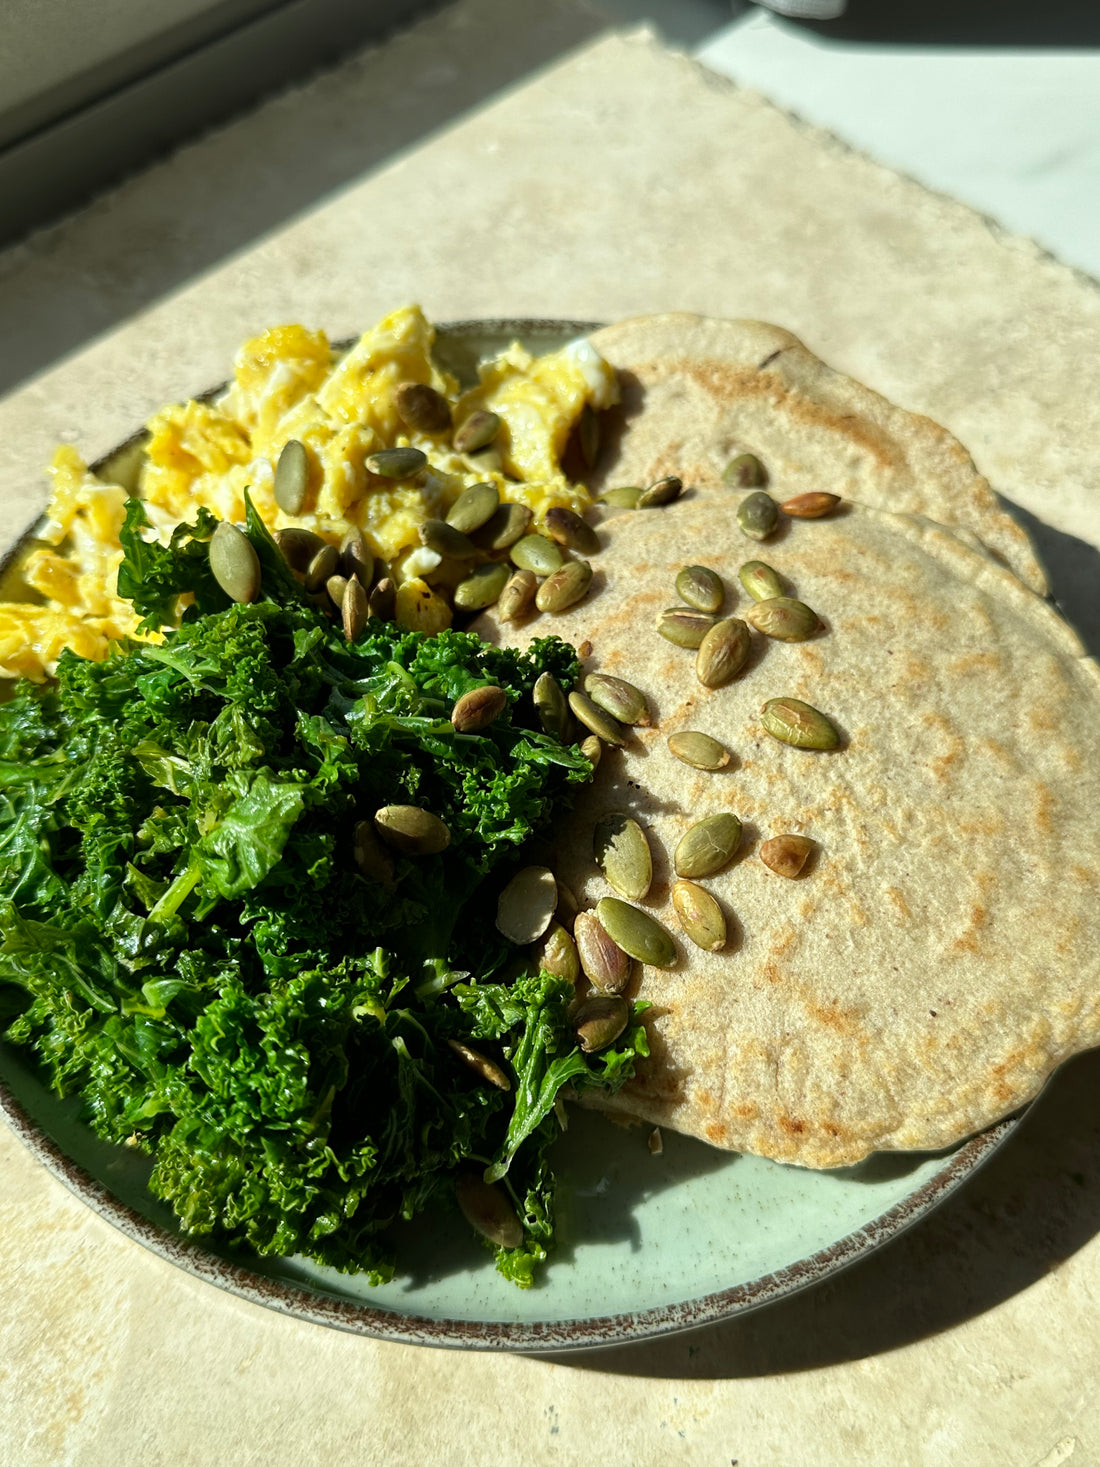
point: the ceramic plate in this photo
(647, 1244)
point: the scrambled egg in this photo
(288, 383)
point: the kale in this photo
(197, 955)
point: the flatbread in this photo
(696, 392)
(940, 956)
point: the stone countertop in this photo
(624, 180)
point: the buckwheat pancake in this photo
(940, 954)
(697, 392)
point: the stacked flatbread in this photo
(939, 957)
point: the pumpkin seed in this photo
(636, 932)
(336, 586)
(536, 553)
(565, 587)
(551, 706)
(622, 853)
(382, 599)
(291, 477)
(569, 530)
(517, 600)
(234, 563)
(353, 610)
(699, 586)
(700, 916)
(698, 749)
(356, 559)
(793, 722)
(396, 463)
(476, 431)
(810, 506)
(618, 697)
(474, 507)
(566, 910)
(757, 515)
(558, 954)
(654, 1142)
(480, 1064)
(298, 547)
(594, 718)
(760, 581)
(664, 491)
(411, 830)
(421, 408)
(624, 497)
(599, 1021)
(324, 564)
(745, 472)
(445, 540)
(370, 855)
(478, 708)
(488, 460)
(592, 750)
(784, 619)
(482, 587)
(603, 961)
(684, 626)
(722, 652)
(504, 527)
(786, 854)
(526, 905)
(588, 435)
(486, 1208)
(707, 846)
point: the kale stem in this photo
(181, 888)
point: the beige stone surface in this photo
(624, 180)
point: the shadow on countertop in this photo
(1032, 1206)
(1058, 23)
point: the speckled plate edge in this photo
(315, 1307)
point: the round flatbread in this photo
(697, 392)
(940, 954)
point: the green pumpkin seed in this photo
(486, 1208)
(624, 497)
(684, 626)
(700, 916)
(636, 932)
(722, 652)
(478, 708)
(745, 472)
(569, 530)
(622, 853)
(336, 586)
(324, 564)
(371, 856)
(551, 706)
(536, 553)
(707, 846)
(517, 600)
(594, 718)
(699, 586)
(784, 619)
(396, 463)
(353, 610)
(487, 460)
(698, 749)
(234, 563)
(599, 1021)
(618, 697)
(292, 477)
(558, 954)
(664, 491)
(793, 722)
(504, 527)
(356, 559)
(525, 907)
(592, 750)
(474, 507)
(411, 830)
(421, 408)
(588, 435)
(786, 854)
(298, 547)
(605, 964)
(480, 1064)
(381, 600)
(476, 431)
(760, 581)
(566, 910)
(445, 540)
(758, 515)
(482, 587)
(565, 587)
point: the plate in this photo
(648, 1244)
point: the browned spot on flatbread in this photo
(792, 1125)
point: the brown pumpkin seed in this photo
(684, 626)
(745, 472)
(482, 587)
(654, 1142)
(486, 1207)
(504, 527)
(474, 507)
(564, 588)
(536, 553)
(480, 1064)
(356, 559)
(626, 496)
(700, 916)
(664, 491)
(760, 581)
(618, 697)
(371, 856)
(525, 907)
(298, 547)
(699, 586)
(551, 706)
(599, 1021)
(784, 619)
(636, 932)
(622, 853)
(396, 463)
(291, 477)
(476, 431)
(558, 954)
(234, 563)
(421, 408)
(353, 610)
(381, 600)
(324, 564)
(411, 830)
(698, 749)
(707, 846)
(757, 515)
(603, 961)
(478, 708)
(722, 652)
(594, 718)
(786, 854)
(796, 723)
(810, 506)
(569, 530)
(517, 600)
